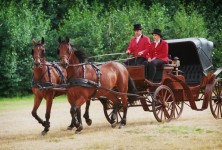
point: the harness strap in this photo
(98, 73)
(41, 85)
(83, 82)
(59, 70)
(84, 71)
(49, 74)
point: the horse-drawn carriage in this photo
(184, 81)
(188, 78)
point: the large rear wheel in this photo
(163, 104)
(216, 99)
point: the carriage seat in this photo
(160, 70)
(192, 73)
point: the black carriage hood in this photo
(192, 51)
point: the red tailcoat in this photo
(161, 51)
(142, 45)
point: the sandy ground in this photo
(193, 130)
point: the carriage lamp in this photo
(176, 64)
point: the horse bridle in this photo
(35, 57)
(70, 51)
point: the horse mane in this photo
(81, 55)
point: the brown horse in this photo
(87, 80)
(47, 75)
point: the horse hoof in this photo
(69, 128)
(79, 129)
(113, 125)
(121, 126)
(77, 132)
(44, 132)
(89, 122)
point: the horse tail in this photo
(131, 90)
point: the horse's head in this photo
(64, 51)
(38, 52)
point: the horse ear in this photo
(42, 41)
(67, 39)
(34, 41)
(60, 39)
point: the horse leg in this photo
(123, 121)
(71, 126)
(86, 114)
(116, 103)
(80, 127)
(37, 102)
(47, 116)
(76, 119)
(114, 116)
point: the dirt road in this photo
(193, 130)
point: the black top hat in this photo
(137, 27)
(157, 31)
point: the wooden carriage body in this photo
(193, 80)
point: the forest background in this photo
(97, 26)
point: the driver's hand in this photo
(127, 52)
(140, 53)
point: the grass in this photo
(15, 103)
(183, 130)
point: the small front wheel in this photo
(108, 108)
(163, 104)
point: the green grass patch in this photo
(182, 130)
(15, 103)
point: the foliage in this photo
(188, 23)
(20, 25)
(82, 24)
(98, 26)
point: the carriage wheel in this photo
(108, 109)
(178, 109)
(216, 99)
(163, 104)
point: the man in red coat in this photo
(157, 54)
(138, 47)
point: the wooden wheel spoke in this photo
(219, 110)
(161, 112)
(168, 97)
(215, 109)
(177, 108)
(166, 113)
(110, 114)
(216, 99)
(120, 115)
(171, 106)
(158, 107)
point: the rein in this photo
(113, 55)
(95, 63)
(107, 55)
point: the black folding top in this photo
(192, 52)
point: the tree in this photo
(20, 26)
